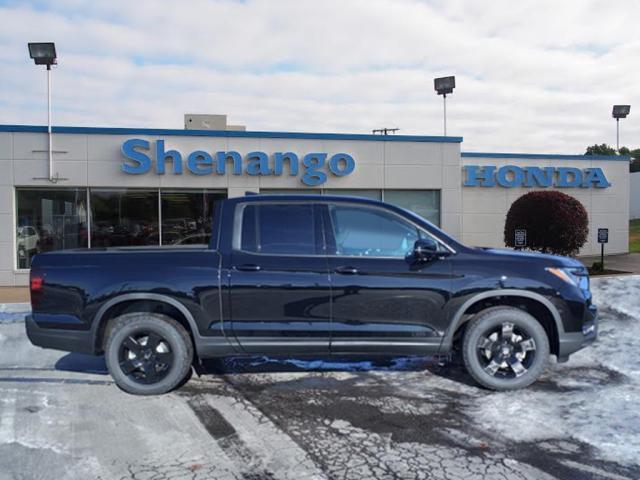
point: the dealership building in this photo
(126, 186)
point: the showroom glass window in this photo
(280, 229)
(49, 219)
(425, 203)
(370, 232)
(124, 217)
(186, 216)
(290, 191)
(362, 193)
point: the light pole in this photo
(619, 111)
(444, 85)
(45, 54)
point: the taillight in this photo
(36, 283)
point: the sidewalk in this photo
(14, 295)
(627, 262)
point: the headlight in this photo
(577, 276)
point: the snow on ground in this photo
(13, 312)
(593, 398)
(347, 418)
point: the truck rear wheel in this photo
(148, 353)
(505, 348)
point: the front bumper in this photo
(571, 342)
(80, 341)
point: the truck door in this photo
(279, 280)
(382, 300)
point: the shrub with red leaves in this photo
(555, 222)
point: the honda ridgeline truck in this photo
(311, 275)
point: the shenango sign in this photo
(313, 167)
(511, 176)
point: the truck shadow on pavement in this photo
(449, 369)
(452, 370)
(78, 362)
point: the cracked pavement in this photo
(62, 417)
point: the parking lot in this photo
(272, 418)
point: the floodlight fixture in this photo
(444, 85)
(619, 111)
(43, 53)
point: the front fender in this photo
(457, 316)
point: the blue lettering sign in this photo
(278, 163)
(596, 177)
(538, 177)
(482, 176)
(569, 177)
(258, 164)
(162, 156)
(314, 165)
(142, 162)
(200, 163)
(341, 164)
(221, 162)
(511, 176)
(312, 175)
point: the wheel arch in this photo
(145, 302)
(547, 314)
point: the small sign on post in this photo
(520, 238)
(603, 237)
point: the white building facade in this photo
(634, 196)
(115, 187)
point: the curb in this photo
(592, 278)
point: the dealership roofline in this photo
(542, 156)
(301, 135)
(229, 133)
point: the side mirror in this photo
(425, 248)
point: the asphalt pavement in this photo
(61, 416)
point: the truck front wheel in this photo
(505, 348)
(148, 353)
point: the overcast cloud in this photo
(532, 76)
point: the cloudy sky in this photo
(532, 76)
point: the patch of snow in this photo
(13, 312)
(398, 363)
(595, 399)
(15, 308)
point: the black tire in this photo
(516, 359)
(148, 353)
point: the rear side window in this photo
(359, 231)
(280, 229)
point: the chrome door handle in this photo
(249, 267)
(347, 270)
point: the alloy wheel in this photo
(506, 351)
(145, 357)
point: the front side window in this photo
(49, 219)
(281, 229)
(370, 232)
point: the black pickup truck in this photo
(311, 275)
